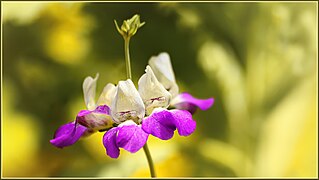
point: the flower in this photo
(129, 115)
(96, 117)
(161, 122)
(163, 70)
(159, 94)
(127, 110)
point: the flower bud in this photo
(129, 26)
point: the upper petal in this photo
(130, 136)
(107, 95)
(109, 142)
(153, 93)
(163, 70)
(68, 134)
(97, 119)
(188, 102)
(89, 90)
(128, 104)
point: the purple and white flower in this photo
(129, 115)
(161, 122)
(95, 118)
(127, 110)
(163, 70)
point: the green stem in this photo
(149, 160)
(127, 57)
(129, 76)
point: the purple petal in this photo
(109, 142)
(104, 109)
(68, 134)
(184, 122)
(131, 137)
(97, 119)
(84, 112)
(160, 124)
(185, 101)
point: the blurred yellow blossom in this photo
(20, 139)
(68, 27)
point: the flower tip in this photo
(141, 24)
(112, 155)
(118, 28)
(54, 143)
(209, 103)
(148, 68)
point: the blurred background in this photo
(258, 60)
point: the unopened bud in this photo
(129, 26)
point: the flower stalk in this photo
(149, 160)
(127, 57)
(127, 30)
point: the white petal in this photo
(89, 89)
(128, 104)
(163, 70)
(153, 93)
(107, 95)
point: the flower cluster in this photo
(130, 115)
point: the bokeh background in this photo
(258, 60)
